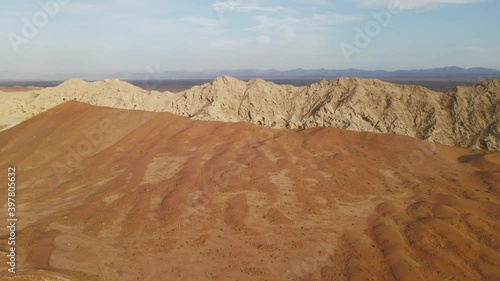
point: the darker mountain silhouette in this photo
(453, 72)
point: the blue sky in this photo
(128, 35)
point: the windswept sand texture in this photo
(465, 116)
(110, 194)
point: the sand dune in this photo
(111, 194)
(465, 116)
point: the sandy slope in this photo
(465, 116)
(19, 89)
(108, 194)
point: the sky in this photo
(105, 36)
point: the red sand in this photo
(107, 194)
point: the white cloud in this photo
(92, 7)
(272, 31)
(316, 2)
(222, 7)
(410, 4)
(287, 28)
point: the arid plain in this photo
(106, 192)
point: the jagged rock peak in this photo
(226, 80)
(73, 82)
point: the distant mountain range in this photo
(444, 72)
(475, 73)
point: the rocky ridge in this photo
(465, 116)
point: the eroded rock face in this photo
(465, 116)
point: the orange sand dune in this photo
(109, 194)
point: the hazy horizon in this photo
(156, 73)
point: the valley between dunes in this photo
(114, 194)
